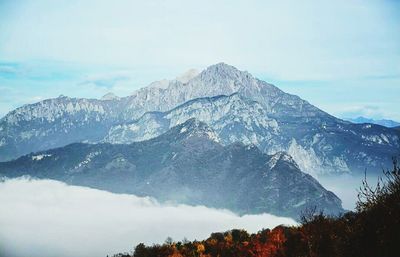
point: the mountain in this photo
(233, 117)
(236, 105)
(332, 146)
(382, 122)
(52, 123)
(55, 122)
(187, 164)
(110, 96)
(60, 121)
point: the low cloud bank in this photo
(49, 218)
(346, 187)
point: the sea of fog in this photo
(49, 218)
(346, 187)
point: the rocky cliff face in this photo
(53, 123)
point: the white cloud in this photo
(48, 218)
(119, 82)
(346, 187)
(380, 110)
(362, 110)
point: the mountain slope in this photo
(53, 123)
(187, 165)
(330, 146)
(234, 118)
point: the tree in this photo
(141, 251)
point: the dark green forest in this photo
(373, 229)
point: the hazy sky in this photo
(45, 218)
(343, 56)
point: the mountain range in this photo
(186, 164)
(236, 105)
(382, 122)
(220, 138)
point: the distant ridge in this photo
(382, 122)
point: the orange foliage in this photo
(176, 254)
(274, 243)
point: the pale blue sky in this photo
(342, 56)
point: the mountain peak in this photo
(225, 76)
(110, 96)
(281, 156)
(222, 68)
